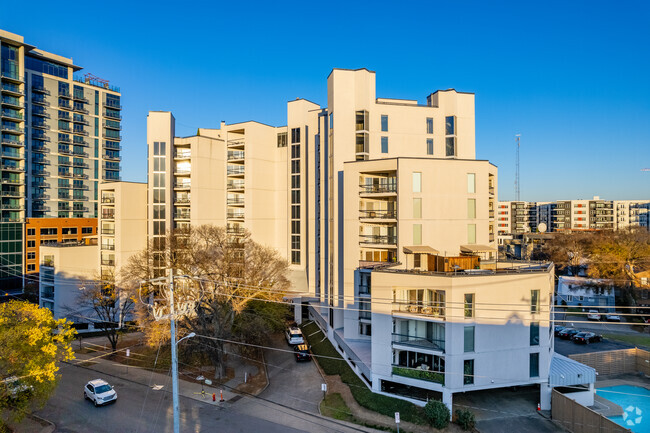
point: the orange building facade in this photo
(43, 231)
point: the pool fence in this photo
(580, 419)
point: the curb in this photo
(49, 426)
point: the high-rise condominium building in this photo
(60, 138)
(388, 222)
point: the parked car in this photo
(558, 329)
(302, 352)
(611, 317)
(294, 336)
(99, 392)
(567, 333)
(586, 338)
(17, 389)
(593, 315)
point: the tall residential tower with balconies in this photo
(60, 138)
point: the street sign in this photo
(323, 387)
(397, 417)
(128, 352)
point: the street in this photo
(139, 408)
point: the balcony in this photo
(235, 230)
(80, 164)
(182, 171)
(64, 105)
(110, 125)
(43, 114)
(9, 142)
(13, 167)
(79, 154)
(378, 239)
(109, 200)
(80, 186)
(40, 196)
(236, 170)
(77, 109)
(435, 309)
(40, 89)
(80, 98)
(39, 100)
(12, 206)
(182, 201)
(182, 185)
(108, 215)
(11, 101)
(80, 121)
(235, 185)
(80, 132)
(12, 77)
(112, 157)
(111, 177)
(80, 176)
(107, 231)
(112, 115)
(183, 154)
(65, 174)
(418, 373)
(238, 201)
(12, 115)
(182, 216)
(377, 214)
(108, 247)
(381, 188)
(40, 208)
(236, 143)
(108, 262)
(419, 341)
(41, 125)
(235, 155)
(111, 146)
(41, 160)
(7, 127)
(235, 214)
(113, 105)
(10, 194)
(43, 173)
(111, 137)
(11, 153)
(12, 89)
(12, 181)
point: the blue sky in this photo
(573, 78)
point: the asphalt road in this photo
(291, 383)
(140, 409)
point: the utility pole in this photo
(177, 427)
(517, 184)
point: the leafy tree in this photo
(219, 275)
(620, 254)
(32, 343)
(108, 300)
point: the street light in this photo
(177, 426)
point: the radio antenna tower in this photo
(517, 184)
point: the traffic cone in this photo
(221, 395)
(214, 397)
(539, 407)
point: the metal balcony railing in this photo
(378, 239)
(384, 214)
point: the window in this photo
(69, 231)
(31, 244)
(331, 120)
(471, 234)
(471, 208)
(295, 135)
(417, 208)
(450, 125)
(48, 232)
(429, 146)
(365, 329)
(417, 234)
(282, 139)
(364, 310)
(429, 125)
(469, 339)
(31, 267)
(31, 255)
(86, 230)
(384, 123)
(534, 301)
(534, 333)
(417, 260)
(31, 232)
(471, 183)
(469, 305)
(450, 146)
(468, 372)
(384, 144)
(534, 365)
(417, 182)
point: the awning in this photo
(567, 372)
(476, 248)
(420, 249)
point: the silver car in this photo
(99, 392)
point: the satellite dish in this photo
(541, 227)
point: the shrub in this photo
(465, 419)
(437, 413)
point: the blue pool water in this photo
(635, 402)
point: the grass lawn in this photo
(637, 340)
(382, 404)
(334, 406)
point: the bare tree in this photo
(620, 254)
(219, 274)
(569, 251)
(110, 301)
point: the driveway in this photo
(293, 384)
(506, 410)
(568, 347)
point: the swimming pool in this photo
(635, 402)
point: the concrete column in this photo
(447, 399)
(545, 391)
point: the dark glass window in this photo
(384, 144)
(384, 123)
(429, 125)
(534, 365)
(468, 372)
(429, 146)
(469, 338)
(450, 125)
(534, 333)
(46, 67)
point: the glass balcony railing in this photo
(235, 170)
(419, 341)
(378, 239)
(235, 185)
(235, 155)
(433, 309)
